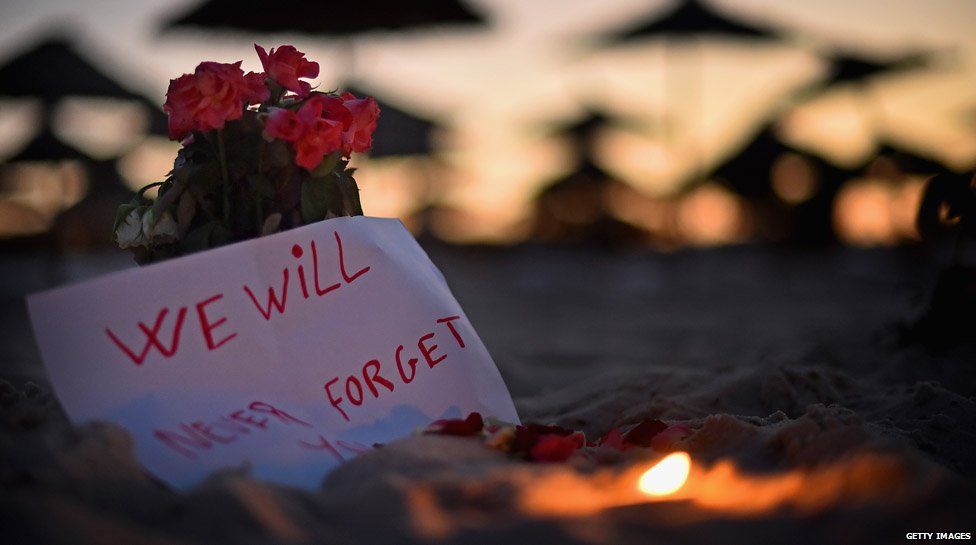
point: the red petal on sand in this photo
(668, 439)
(614, 439)
(642, 434)
(472, 425)
(556, 448)
(526, 436)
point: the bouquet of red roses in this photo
(261, 152)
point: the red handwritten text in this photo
(377, 381)
(277, 295)
(199, 435)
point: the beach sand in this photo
(813, 420)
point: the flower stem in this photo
(223, 173)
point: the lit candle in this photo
(666, 476)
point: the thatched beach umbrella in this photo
(576, 207)
(46, 146)
(690, 21)
(53, 70)
(88, 224)
(336, 19)
(399, 133)
(342, 20)
(692, 18)
(799, 203)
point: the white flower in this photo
(129, 234)
(159, 231)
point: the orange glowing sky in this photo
(493, 87)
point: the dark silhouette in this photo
(54, 69)
(692, 18)
(575, 208)
(340, 19)
(749, 173)
(399, 133)
(50, 72)
(88, 224)
(46, 146)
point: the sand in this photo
(812, 420)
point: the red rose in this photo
(357, 115)
(283, 124)
(285, 65)
(212, 95)
(358, 135)
(321, 137)
(256, 91)
(556, 448)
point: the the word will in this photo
(152, 337)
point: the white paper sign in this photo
(289, 353)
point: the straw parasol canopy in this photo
(336, 19)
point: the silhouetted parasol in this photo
(575, 208)
(848, 69)
(88, 224)
(54, 69)
(583, 131)
(692, 18)
(46, 146)
(858, 73)
(750, 171)
(157, 123)
(399, 133)
(747, 172)
(891, 162)
(338, 19)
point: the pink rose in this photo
(323, 125)
(257, 91)
(283, 124)
(209, 97)
(285, 65)
(320, 138)
(358, 135)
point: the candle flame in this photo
(667, 476)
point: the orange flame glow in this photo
(722, 487)
(667, 476)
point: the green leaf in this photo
(319, 196)
(203, 177)
(350, 192)
(186, 210)
(328, 163)
(261, 185)
(198, 239)
(220, 236)
(121, 213)
(279, 155)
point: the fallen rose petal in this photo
(668, 439)
(642, 434)
(556, 448)
(472, 425)
(526, 436)
(614, 440)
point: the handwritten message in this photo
(287, 354)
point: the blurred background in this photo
(658, 123)
(660, 127)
